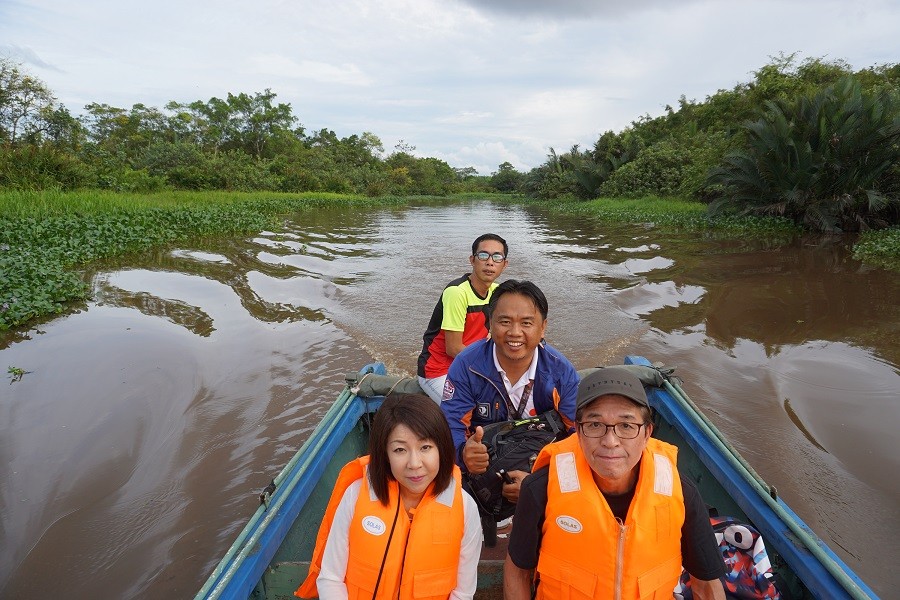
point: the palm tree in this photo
(829, 161)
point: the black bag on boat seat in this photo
(512, 446)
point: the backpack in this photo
(512, 446)
(748, 572)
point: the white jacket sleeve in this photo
(330, 581)
(469, 552)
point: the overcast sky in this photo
(473, 82)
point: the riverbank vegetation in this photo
(675, 213)
(46, 236)
(815, 142)
(813, 145)
(244, 142)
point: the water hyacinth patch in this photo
(880, 247)
(40, 251)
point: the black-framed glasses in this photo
(494, 256)
(598, 429)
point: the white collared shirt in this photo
(515, 389)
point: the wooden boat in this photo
(269, 559)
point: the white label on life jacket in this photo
(373, 525)
(567, 523)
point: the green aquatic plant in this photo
(16, 374)
(45, 237)
(881, 247)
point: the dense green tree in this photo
(672, 154)
(349, 152)
(125, 131)
(249, 123)
(506, 178)
(254, 120)
(24, 102)
(38, 167)
(615, 149)
(62, 130)
(408, 174)
(465, 173)
(182, 164)
(572, 174)
(105, 123)
(211, 124)
(672, 167)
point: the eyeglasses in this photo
(495, 256)
(596, 429)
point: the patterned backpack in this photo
(748, 572)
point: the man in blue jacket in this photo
(511, 375)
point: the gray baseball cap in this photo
(611, 380)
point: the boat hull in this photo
(270, 558)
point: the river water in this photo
(133, 448)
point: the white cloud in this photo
(402, 102)
(282, 66)
(465, 117)
(26, 56)
(474, 82)
(563, 10)
(485, 157)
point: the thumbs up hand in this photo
(475, 454)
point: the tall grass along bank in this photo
(876, 247)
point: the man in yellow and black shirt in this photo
(459, 316)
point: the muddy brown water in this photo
(132, 449)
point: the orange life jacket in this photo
(423, 557)
(586, 552)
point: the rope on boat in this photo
(850, 586)
(399, 381)
(266, 494)
(354, 384)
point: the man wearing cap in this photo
(605, 514)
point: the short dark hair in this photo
(425, 419)
(525, 288)
(489, 236)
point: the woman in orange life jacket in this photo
(398, 524)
